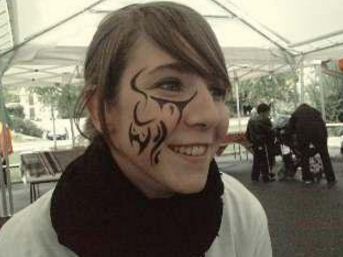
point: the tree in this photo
(278, 89)
(63, 99)
(10, 95)
(67, 101)
(60, 98)
(48, 95)
(333, 93)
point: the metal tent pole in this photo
(53, 124)
(2, 177)
(238, 109)
(251, 26)
(5, 60)
(315, 39)
(302, 87)
(3, 194)
(4, 63)
(32, 37)
(236, 83)
(66, 81)
(321, 90)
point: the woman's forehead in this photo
(147, 55)
(145, 52)
(149, 58)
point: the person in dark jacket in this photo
(309, 127)
(260, 134)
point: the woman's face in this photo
(167, 123)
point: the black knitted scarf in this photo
(97, 212)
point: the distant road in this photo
(39, 145)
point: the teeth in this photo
(197, 150)
(190, 150)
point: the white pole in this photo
(302, 87)
(238, 110)
(3, 193)
(2, 177)
(4, 212)
(321, 90)
(237, 101)
(53, 125)
(67, 79)
(7, 57)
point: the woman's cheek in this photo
(223, 124)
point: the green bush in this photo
(26, 127)
(16, 111)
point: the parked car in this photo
(60, 134)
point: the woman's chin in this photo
(192, 186)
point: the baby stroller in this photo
(315, 163)
(287, 153)
(284, 142)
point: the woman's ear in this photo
(93, 108)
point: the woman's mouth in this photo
(189, 150)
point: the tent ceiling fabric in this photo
(6, 39)
(257, 37)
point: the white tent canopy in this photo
(49, 37)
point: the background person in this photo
(148, 184)
(260, 134)
(307, 124)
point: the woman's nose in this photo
(203, 110)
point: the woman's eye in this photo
(218, 94)
(172, 85)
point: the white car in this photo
(60, 134)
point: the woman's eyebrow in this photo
(175, 66)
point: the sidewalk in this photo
(304, 221)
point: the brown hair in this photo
(177, 29)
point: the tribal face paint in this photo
(141, 130)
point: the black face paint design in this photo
(142, 139)
(138, 125)
(158, 140)
(180, 105)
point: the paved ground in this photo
(305, 221)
